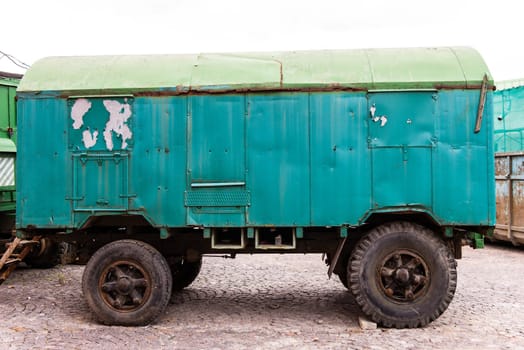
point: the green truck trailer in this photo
(382, 159)
(8, 84)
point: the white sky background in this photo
(32, 29)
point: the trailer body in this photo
(258, 153)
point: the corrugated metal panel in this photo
(509, 171)
(352, 69)
(7, 171)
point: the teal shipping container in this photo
(508, 104)
(380, 158)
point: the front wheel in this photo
(402, 275)
(127, 283)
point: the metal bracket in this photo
(482, 102)
(333, 262)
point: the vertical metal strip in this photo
(482, 102)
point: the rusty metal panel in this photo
(509, 173)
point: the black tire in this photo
(45, 256)
(127, 283)
(402, 275)
(184, 272)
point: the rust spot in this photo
(181, 90)
(11, 75)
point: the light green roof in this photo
(7, 145)
(367, 69)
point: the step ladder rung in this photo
(12, 261)
(26, 243)
(9, 260)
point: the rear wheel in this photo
(46, 255)
(402, 275)
(127, 283)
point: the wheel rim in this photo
(125, 286)
(403, 276)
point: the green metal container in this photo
(8, 84)
(259, 152)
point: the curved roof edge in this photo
(7, 145)
(366, 69)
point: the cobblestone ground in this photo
(267, 302)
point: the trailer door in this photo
(401, 137)
(216, 194)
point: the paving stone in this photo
(267, 302)
(366, 324)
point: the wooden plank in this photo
(10, 249)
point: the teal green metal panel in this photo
(402, 177)
(44, 180)
(100, 182)
(464, 182)
(302, 158)
(100, 124)
(216, 194)
(402, 135)
(277, 142)
(100, 136)
(216, 146)
(402, 119)
(158, 161)
(310, 159)
(340, 167)
(508, 105)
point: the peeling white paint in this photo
(89, 139)
(119, 113)
(372, 111)
(382, 119)
(79, 109)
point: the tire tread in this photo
(359, 254)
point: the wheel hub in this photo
(403, 276)
(124, 285)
